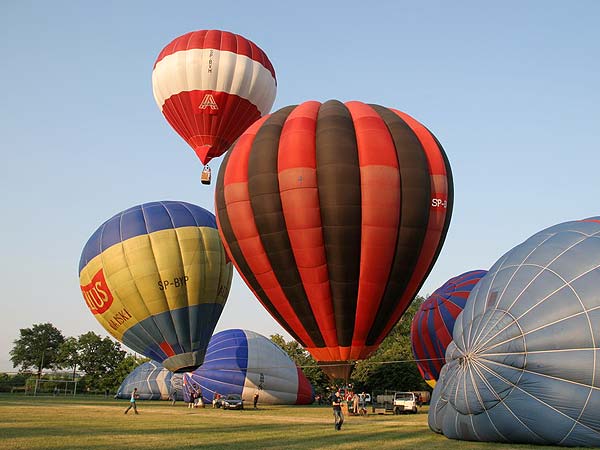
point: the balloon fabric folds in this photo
(243, 362)
(334, 214)
(523, 363)
(431, 329)
(156, 277)
(211, 85)
(153, 382)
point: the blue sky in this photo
(509, 88)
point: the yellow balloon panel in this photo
(158, 272)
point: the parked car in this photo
(232, 401)
(405, 402)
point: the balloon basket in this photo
(205, 177)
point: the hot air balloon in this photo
(153, 382)
(211, 85)
(522, 365)
(156, 277)
(431, 329)
(243, 362)
(334, 214)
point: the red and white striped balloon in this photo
(211, 85)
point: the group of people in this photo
(196, 401)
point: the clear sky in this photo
(511, 90)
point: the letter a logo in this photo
(208, 102)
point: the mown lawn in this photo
(98, 423)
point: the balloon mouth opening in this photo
(202, 153)
(208, 147)
(337, 370)
(185, 369)
(184, 362)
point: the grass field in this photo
(93, 423)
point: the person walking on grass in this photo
(337, 411)
(134, 397)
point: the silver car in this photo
(233, 401)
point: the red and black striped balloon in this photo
(334, 215)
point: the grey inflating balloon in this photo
(524, 363)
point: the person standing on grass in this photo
(199, 401)
(173, 396)
(216, 400)
(134, 397)
(337, 411)
(255, 399)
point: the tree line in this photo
(44, 347)
(105, 364)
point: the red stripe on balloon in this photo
(165, 347)
(380, 210)
(305, 390)
(218, 40)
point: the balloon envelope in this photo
(153, 382)
(432, 326)
(522, 366)
(211, 85)
(243, 362)
(334, 214)
(156, 277)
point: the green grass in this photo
(92, 423)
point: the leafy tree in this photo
(113, 380)
(7, 382)
(68, 354)
(99, 358)
(292, 348)
(37, 347)
(392, 366)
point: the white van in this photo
(405, 402)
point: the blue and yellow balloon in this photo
(156, 277)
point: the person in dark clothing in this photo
(337, 411)
(255, 399)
